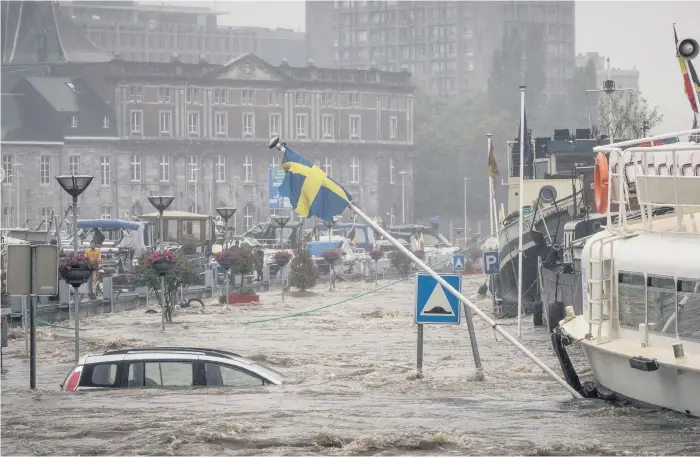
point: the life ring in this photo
(600, 182)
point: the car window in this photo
(222, 375)
(160, 374)
(104, 374)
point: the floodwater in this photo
(354, 389)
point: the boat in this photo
(639, 326)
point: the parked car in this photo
(168, 367)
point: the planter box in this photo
(242, 299)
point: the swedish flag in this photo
(311, 192)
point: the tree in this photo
(242, 263)
(630, 110)
(303, 272)
(184, 274)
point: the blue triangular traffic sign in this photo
(434, 303)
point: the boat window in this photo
(651, 169)
(632, 299)
(697, 170)
(663, 170)
(661, 302)
(687, 169)
(688, 309)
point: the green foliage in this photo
(184, 274)
(303, 272)
(629, 111)
(243, 260)
(222, 299)
(450, 144)
(400, 261)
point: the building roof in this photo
(63, 94)
(40, 32)
(16, 126)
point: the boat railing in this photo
(656, 177)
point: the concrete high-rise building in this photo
(153, 33)
(624, 79)
(447, 46)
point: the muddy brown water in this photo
(352, 389)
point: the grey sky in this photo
(631, 33)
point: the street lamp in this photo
(403, 196)
(281, 221)
(16, 177)
(226, 214)
(161, 203)
(466, 221)
(74, 186)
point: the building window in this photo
(393, 127)
(193, 124)
(248, 124)
(328, 167)
(137, 122)
(73, 165)
(45, 170)
(192, 169)
(74, 121)
(327, 99)
(135, 94)
(300, 99)
(8, 216)
(164, 168)
(221, 124)
(106, 212)
(327, 126)
(166, 123)
(354, 100)
(247, 96)
(135, 168)
(275, 161)
(220, 169)
(192, 95)
(391, 170)
(355, 170)
(274, 98)
(46, 213)
(105, 122)
(301, 123)
(220, 96)
(275, 124)
(8, 164)
(248, 217)
(248, 169)
(355, 127)
(164, 95)
(105, 170)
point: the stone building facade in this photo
(200, 132)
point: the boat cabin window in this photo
(697, 170)
(661, 304)
(632, 299)
(687, 170)
(688, 308)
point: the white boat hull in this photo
(668, 387)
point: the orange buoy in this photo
(600, 182)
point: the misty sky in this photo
(633, 33)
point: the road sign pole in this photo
(32, 324)
(419, 353)
(472, 336)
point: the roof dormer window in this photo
(105, 122)
(74, 121)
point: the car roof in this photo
(185, 353)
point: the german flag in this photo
(689, 89)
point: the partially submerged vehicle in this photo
(168, 367)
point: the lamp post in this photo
(466, 221)
(74, 186)
(403, 196)
(226, 214)
(16, 177)
(161, 203)
(281, 221)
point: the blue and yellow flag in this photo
(311, 192)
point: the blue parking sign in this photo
(492, 264)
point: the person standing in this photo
(94, 255)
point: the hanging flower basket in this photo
(282, 258)
(76, 269)
(225, 259)
(376, 254)
(331, 256)
(162, 262)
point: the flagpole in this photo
(521, 191)
(488, 155)
(497, 327)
